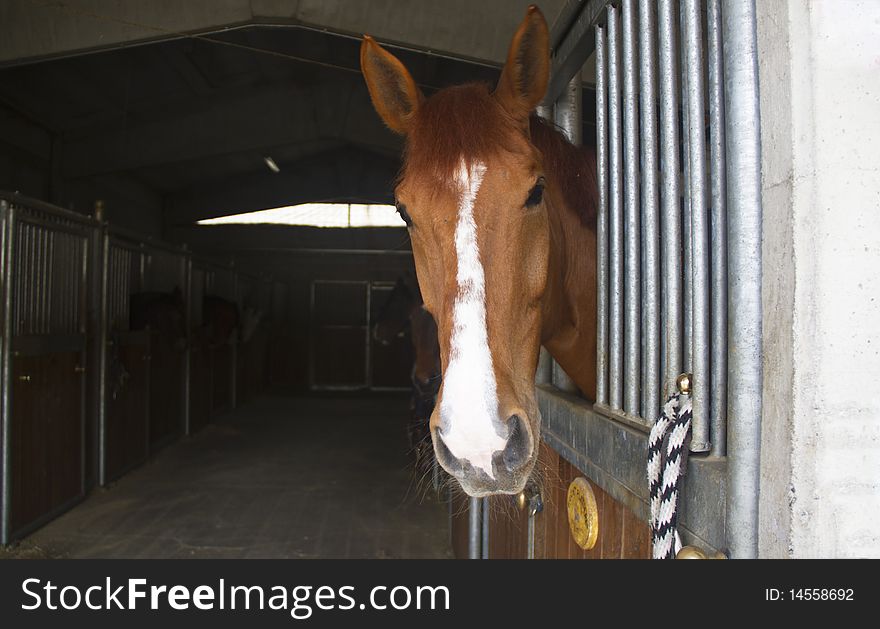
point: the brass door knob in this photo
(24, 378)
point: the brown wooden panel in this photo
(459, 525)
(221, 378)
(29, 436)
(128, 411)
(200, 387)
(252, 362)
(636, 537)
(63, 408)
(340, 357)
(47, 423)
(621, 533)
(166, 391)
(508, 529)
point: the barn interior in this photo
(147, 120)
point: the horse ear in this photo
(394, 93)
(524, 78)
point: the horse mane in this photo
(466, 120)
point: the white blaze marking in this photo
(469, 407)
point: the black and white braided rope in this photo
(667, 461)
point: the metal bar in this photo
(650, 209)
(544, 372)
(569, 118)
(484, 542)
(564, 20)
(670, 195)
(474, 530)
(602, 220)
(745, 213)
(25, 202)
(718, 177)
(615, 231)
(574, 50)
(687, 253)
(632, 247)
(368, 364)
(103, 348)
(187, 375)
(6, 264)
(530, 535)
(696, 91)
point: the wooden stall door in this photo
(622, 535)
(128, 416)
(47, 435)
(339, 335)
(166, 392)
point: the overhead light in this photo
(271, 164)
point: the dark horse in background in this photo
(164, 313)
(404, 309)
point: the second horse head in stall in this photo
(501, 212)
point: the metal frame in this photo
(42, 314)
(661, 312)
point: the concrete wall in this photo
(819, 65)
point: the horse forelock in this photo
(466, 122)
(457, 123)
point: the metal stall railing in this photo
(213, 279)
(82, 381)
(676, 111)
(45, 288)
(143, 383)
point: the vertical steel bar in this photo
(696, 91)
(544, 372)
(103, 347)
(632, 247)
(474, 530)
(7, 268)
(615, 231)
(484, 542)
(687, 252)
(187, 375)
(602, 220)
(745, 214)
(718, 176)
(670, 197)
(650, 208)
(569, 117)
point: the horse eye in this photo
(401, 209)
(536, 194)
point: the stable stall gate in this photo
(42, 362)
(679, 273)
(143, 373)
(89, 388)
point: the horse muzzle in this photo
(511, 466)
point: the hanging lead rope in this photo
(667, 462)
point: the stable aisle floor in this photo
(280, 477)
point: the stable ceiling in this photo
(187, 98)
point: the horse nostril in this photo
(445, 457)
(516, 452)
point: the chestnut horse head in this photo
(500, 211)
